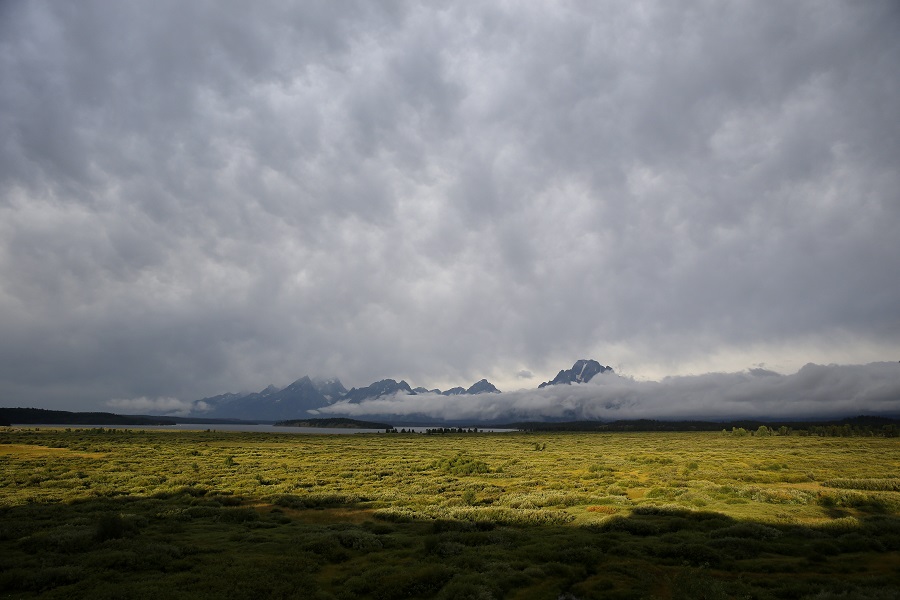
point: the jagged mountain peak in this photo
(385, 387)
(294, 401)
(581, 372)
(482, 387)
(303, 383)
(331, 388)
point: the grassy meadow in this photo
(146, 514)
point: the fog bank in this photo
(815, 391)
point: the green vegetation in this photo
(106, 513)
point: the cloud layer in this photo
(205, 198)
(815, 391)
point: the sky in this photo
(208, 197)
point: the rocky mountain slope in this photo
(581, 372)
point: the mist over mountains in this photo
(587, 391)
(308, 395)
(814, 392)
(293, 401)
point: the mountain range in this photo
(308, 394)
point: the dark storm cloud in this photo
(198, 198)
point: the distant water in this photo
(252, 428)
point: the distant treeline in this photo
(853, 426)
(333, 423)
(450, 430)
(35, 416)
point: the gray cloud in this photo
(198, 199)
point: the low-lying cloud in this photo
(815, 391)
(165, 406)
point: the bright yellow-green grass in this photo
(120, 513)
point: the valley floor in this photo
(133, 514)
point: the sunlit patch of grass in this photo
(25, 451)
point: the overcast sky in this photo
(201, 197)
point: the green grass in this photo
(128, 514)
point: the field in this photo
(145, 514)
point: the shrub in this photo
(193, 490)
(362, 541)
(854, 542)
(777, 495)
(466, 588)
(423, 581)
(395, 515)
(199, 512)
(66, 539)
(48, 578)
(238, 515)
(841, 526)
(851, 499)
(597, 468)
(871, 485)
(316, 500)
(883, 525)
(632, 526)
(461, 465)
(112, 526)
(737, 547)
(509, 516)
(439, 547)
(328, 547)
(289, 501)
(668, 510)
(603, 509)
(546, 499)
(753, 531)
(224, 499)
(378, 528)
(693, 554)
